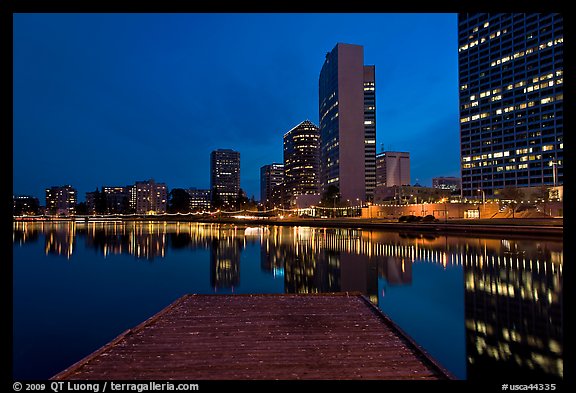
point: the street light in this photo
(554, 163)
(483, 201)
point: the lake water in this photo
(482, 307)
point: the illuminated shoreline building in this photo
(271, 176)
(225, 174)
(200, 199)
(511, 101)
(301, 161)
(347, 112)
(393, 169)
(148, 197)
(61, 200)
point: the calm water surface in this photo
(483, 307)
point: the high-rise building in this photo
(347, 110)
(370, 130)
(301, 161)
(199, 199)
(511, 101)
(271, 176)
(61, 200)
(447, 183)
(393, 169)
(148, 197)
(225, 174)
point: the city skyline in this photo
(108, 99)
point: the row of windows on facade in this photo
(490, 23)
(501, 38)
(467, 93)
(495, 144)
(499, 111)
(490, 79)
(507, 122)
(496, 77)
(498, 146)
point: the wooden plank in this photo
(325, 336)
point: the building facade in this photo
(301, 161)
(61, 200)
(511, 101)
(148, 197)
(25, 205)
(117, 199)
(200, 199)
(447, 183)
(347, 112)
(393, 169)
(225, 174)
(271, 176)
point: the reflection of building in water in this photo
(24, 232)
(395, 270)
(272, 257)
(514, 313)
(307, 269)
(359, 273)
(59, 239)
(143, 241)
(309, 272)
(225, 263)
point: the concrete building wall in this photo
(351, 121)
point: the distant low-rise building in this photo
(148, 197)
(447, 183)
(117, 199)
(25, 205)
(200, 199)
(61, 200)
(392, 168)
(409, 194)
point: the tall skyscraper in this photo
(61, 200)
(225, 174)
(301, 161)
(271, 176)
(393, 169)
(347, 109)
(511, 101)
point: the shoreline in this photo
(518, 226)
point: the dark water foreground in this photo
(482, 307)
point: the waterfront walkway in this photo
(263, 337)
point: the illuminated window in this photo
(547, 147)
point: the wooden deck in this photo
(202, 337)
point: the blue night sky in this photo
(109, 99)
